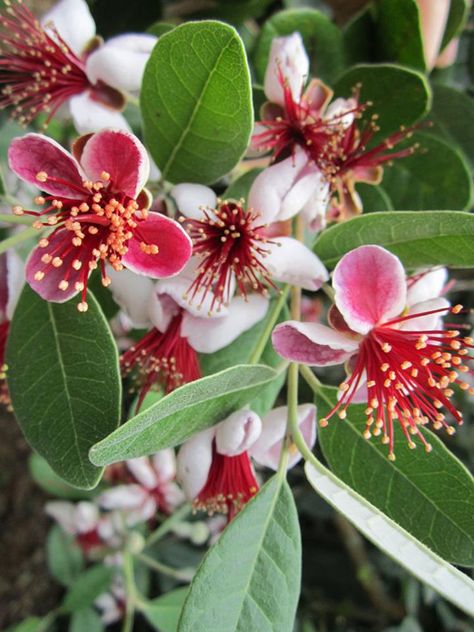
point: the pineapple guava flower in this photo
(60, 62)
(97, 209)
(433, 20)
(400, 362)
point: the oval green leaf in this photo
(182, 413)
(420, 238)
(163, 613)
(429, 495)
(87, 587)
(254, 569)
(399, 33)
(196, 102)
(64, 382)
(65, 559)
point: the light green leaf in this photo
(84, 620)
(393, 540)
(163, 613)
(322, 40)
(31, 624)
(431, 496)
(64, 382)
(187, 410)
(420, 239)
(65, 559)
(435, 177)
(87, 587)
(196, 102)
(254, 569)
(399, 33)
(51, 483)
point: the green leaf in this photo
(359, 35)
(399, 33)
(374, 198)
(458, 14)
(163, 613)
(64, 382)
(254, 569)
(86, 619)
(87, 587)
(31, 624)
(187, 410)
(452, 115)
(65, 559)
(51, 483)
(160, 28)
(435, 177)
(393, 539)
(322, 40)
(196, 102)
(431, 496)
(240, 187)
(420, 238)
(400, 96)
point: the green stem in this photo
(164, 528)
(127, 625)
(314, 384)
(132, 99)
(265, 335)
(328, 290)
(181, 575)
(10, 218)
(14, 240)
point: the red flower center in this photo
(89, 540)
(231, 244)
(409, 376)
(230, 484)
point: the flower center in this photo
(409, 376)
(231, 245)
(230, 484)
(162, 358)
(89, 540)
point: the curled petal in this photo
(73, 21)
(132, 292)
(425, 322)
(174, 248)
(312, 343)
(164, 463)
(288, 57)
(426, 285)
(370, 287)
(191, 197)
(123, 497)
(194, 462)
(238, 432)
(34, 153)
(121, 155)
(290, 261)
(161, 309)
(91, 115)
(120, 62)
(143, 471)
(210, 334)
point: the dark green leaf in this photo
(65, 559)
(234, 12)
(51, 483)
(399, 33)
(196, 102)
(374, 198)
(163, 613)
(126, 16)
(240, 187)
(86, 620)
(322, 40)
(429, 495)
(64, 382)
(87, 587)
(435, 177)
(360, 37)
(254, 569)
(420, 238)
(160, 28)
(458, 14)
(182, 413)
(31, 624)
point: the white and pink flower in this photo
(97, 207)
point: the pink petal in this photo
(312, 343)
(290, 261)
(175, 248)
(288, 56)
(370, 287)
(122, 156)
(194, 462)
(433, 18)
(238, 432)
(30, 154)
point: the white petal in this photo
(290, 261)
(314, 211)
(161, 309)
(132, 292)
(207, 335)
(120, 62)
(15, 280)
(164, 463)
(142, 512)
(288, 56)
(123, 497)
(142, 470)
(87, 517)
(429, 285)
(190, 197)
(238, 432)
(428, 322)
(89, 115)
(73, 21)
(341, 112)
(64, 513)
(194, 462)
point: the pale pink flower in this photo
(395, 352)
(112, 604)
(288, 58)
(97, 208)
(433, 20)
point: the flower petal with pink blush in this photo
(90, 115)
(174, 248)
(433, 18)
(449, 54)
(87, 516)
(194, 462)
(15, 281)
(210, 334)
(164, 463)
(64, 513)
(30, 154)
(122, 156)
(370, 287)
(132, 293)
(429, 321)
(288, 57)
(266, 450)
(123, 497)
(120, 62)
(143, 471)
(425, 285)
(290, 261)
(73, 21)
(341, 112)
(238, 432)
(191, 197)
(312, 343)
(161, 310)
